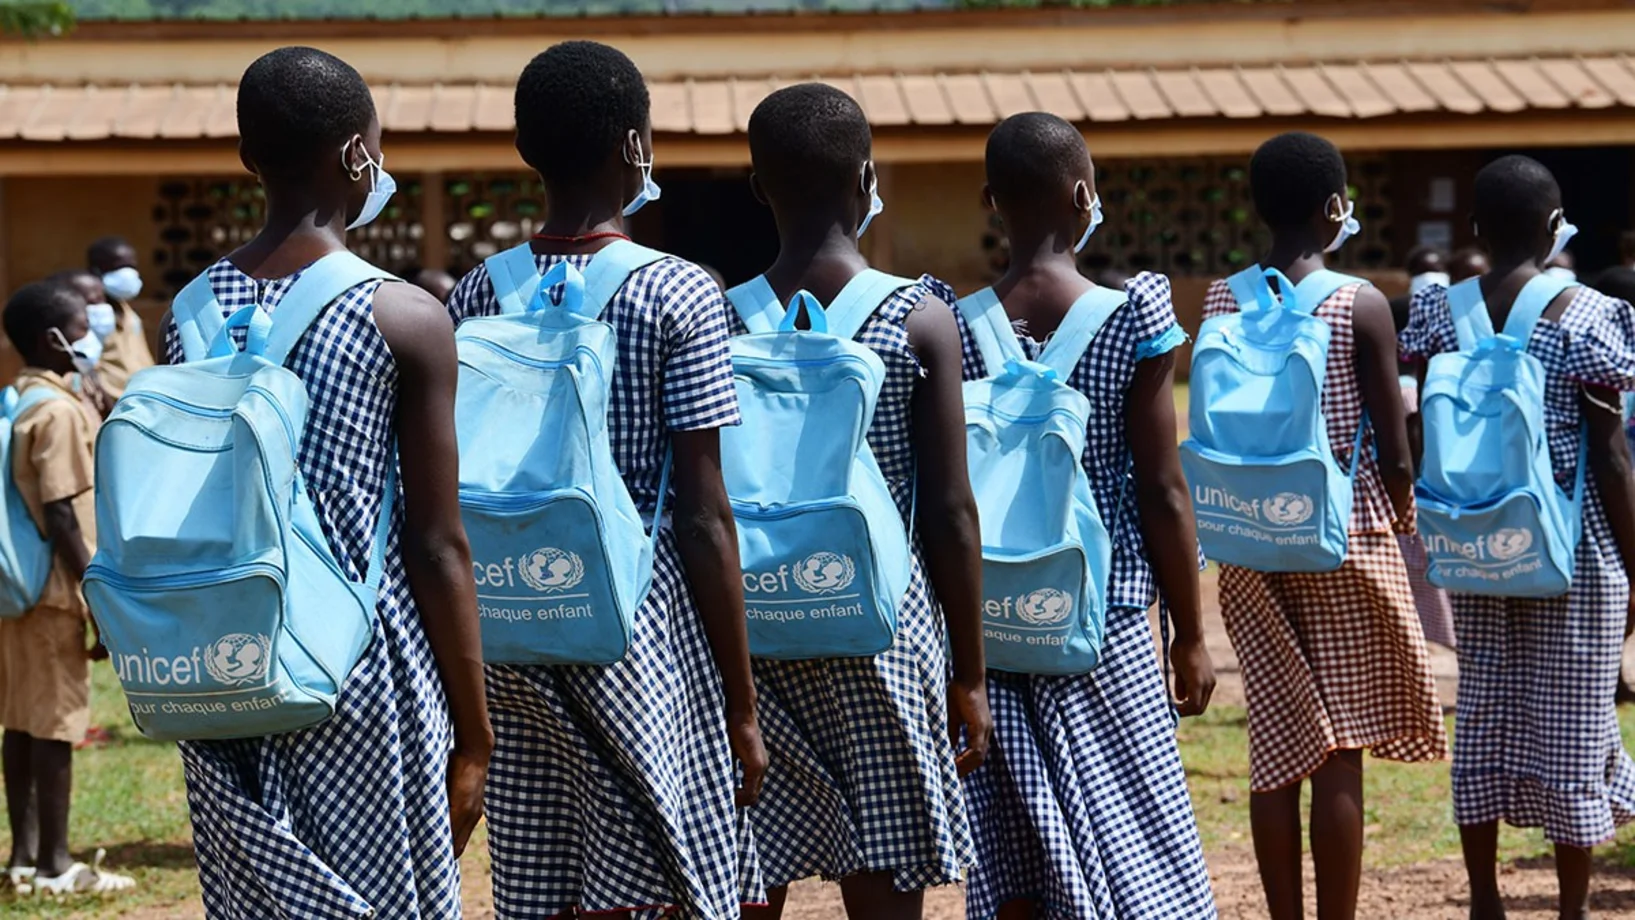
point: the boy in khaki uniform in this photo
(45, 678)
(125, 347)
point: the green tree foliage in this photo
(36, 19)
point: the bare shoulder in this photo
(411, 320)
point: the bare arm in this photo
(1610, 463)
(1376, 339)
(1167, 525)
(436, 554)
(708, 541)
(947, 520)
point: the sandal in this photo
(21, 879)
(83, 879)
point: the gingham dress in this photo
(350, 818)
(862, 777)
(1336, 660)
(1083, 808)
(1536, 740)
(612, 787)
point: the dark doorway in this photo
(1595, 190)
(710, 216)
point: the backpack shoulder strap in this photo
(991, 330)
(1535, 298)
(1079, 328)
(316, 288)
(611, 268)
(1471, 324)
(34, 396)
(1319, 286)
(858, 300)
(198, 317)
(515, 276)
(756, 304)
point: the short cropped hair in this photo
(297, 107)
(1292, 176)
(576, 103)
(1032, 155)
(808, 142)
(33, 309)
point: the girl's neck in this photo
(817, 259)
(1295, 258)
(298, 232)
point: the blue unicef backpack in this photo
(223, 610)
(25, 554)
(561, 556)
(1493, 518)
(1267, 489)
(825, 554)
(1046, 554)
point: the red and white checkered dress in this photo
(1337, 660)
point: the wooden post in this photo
(433, 221)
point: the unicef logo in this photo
(1509, 543)
(825, 573)
(1287, 509)
(238, 659)
(1044, 607)
(550, 569)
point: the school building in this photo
(128, 126)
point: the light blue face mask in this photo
(875, 204)
(1564, 233)
(381, 187)
(1096, 218)
(85, 353)
(650, 190)
(1349, 226)
(102, 318)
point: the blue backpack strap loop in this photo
(198, 318)
(515, 276)
(573, 298)
(34, 396)
(1530, 305)
(817, 318)
(1078, 329)
(257, 326)
(757, 305)
(858, 300)
(1471, 324)
(611, 268)
(313, 292)
(991, 329)
(383, 527)
(1318, 287)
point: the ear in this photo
(244, 158)
(1082, 199)
(633, 147)
(353, 152)
(756, 190)
(870, 177)
(988, 202)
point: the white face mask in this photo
(85, 353)
(650, 190)
(1565, 274)
(875, 204)
(123, 283)
(1424, 280)
(381, 187)
(1349, 227)
(1564, 233)
(1096, 217)
(102, 318)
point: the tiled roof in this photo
(1342, 89)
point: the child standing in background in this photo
(863, 783)
(1536, 739)
(45, 674)
(1082, 809)
(1333, 663)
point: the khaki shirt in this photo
(124, 352)
(53, 459)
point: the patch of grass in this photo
(1408, 807)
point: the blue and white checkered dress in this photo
(611, 787)
(350, 818)
(1536, 740)
(862, 777)
(1083, 807)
